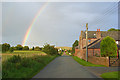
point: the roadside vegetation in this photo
(84, 63)
(108, 47)
(111, 75)
(23, 62)
(24, 67)
(74, 45)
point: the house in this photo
(94, 39)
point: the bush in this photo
(25, 48)
(15, 59)
(11, 49)
(108, 47)
(50, 50)
(74, 45)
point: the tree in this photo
(19, 47)
(5, 47)
(33, 48)
(108, 47)
(50, 50)
(37, 48)
(113, 29)
(11, 49)
(25, 48)
(74, 45)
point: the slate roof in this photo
(95, 44)
(113, 34)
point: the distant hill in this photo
(68, 48)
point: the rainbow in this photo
(32, 23)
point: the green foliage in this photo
(113, 29)
(27, 67)
(108, 47)
(5, 47)
(15, 59)
(11, 49)
(33, 48)
(74, 45)
(37, 48)
(19, 47)
(50, 50)
(25, 48)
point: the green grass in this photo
(26, 67)
(84, 63)
(7, 55)
(111, 75)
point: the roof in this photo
(95, 44)
(113, 34)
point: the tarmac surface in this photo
(65, 67)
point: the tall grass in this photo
(24, 67)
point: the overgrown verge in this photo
(111, 75)
(24, 67)
(84, 63)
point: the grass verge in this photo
(84, 63)
(24, 67)
(111, 75)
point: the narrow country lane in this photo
(64, 67)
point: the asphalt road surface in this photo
(64, 67)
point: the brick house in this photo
(94, 39)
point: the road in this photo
(64, 67)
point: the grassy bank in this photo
(84, 63)
(24, 67)
(111, 75)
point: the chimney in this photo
(99, 29)
(98, 34)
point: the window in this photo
(89, 41)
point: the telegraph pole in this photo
(87, 42)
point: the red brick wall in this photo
(93, 59)
(99, 60)
(76, 51)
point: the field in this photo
(6, 56)
(29, 63)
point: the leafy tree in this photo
(50, 50)
(19, 47)
(74, 45)
(25, 48)
(5, 47)
(11, 49)
(113, 29)
(37, 48)
(108, 47)
(33, 48)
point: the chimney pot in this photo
(97, 29)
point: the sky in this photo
(59, 23)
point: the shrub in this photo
(108, 47)
(25, 48)
(74, 45)
(15, 59)
(50, 50)
(11, 49)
